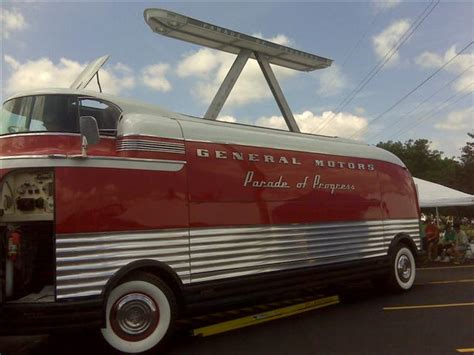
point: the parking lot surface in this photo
(435, 317)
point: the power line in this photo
(407, 114)
(414, 89)
(433, 113)
(390, 53)
(356, 46)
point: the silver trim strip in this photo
(10, 135)
(151, 146)
(36, 161)
(86, 261)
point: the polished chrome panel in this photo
(218, 253)
(85, 262)
(131, 144)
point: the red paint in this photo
(209, 191)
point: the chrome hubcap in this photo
(134, 316)
(404, 268)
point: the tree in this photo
(423, 162)
(466, 168)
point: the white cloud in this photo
(382, 5)
(227, 119)
(10, 21)
(343, 124)
(388, 38)
(153, 76)
(210, 68)
(331, 81)
(462, 120)
(460, 64)
(43, 73)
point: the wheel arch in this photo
(403, 238)
(157, 268)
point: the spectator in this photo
(449, 241)
(432, 238)
(460, 245)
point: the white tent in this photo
(435, 195)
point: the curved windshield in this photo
(52, 113)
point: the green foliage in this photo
(429, 164)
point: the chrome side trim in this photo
(85, 262)
(219, 253)
(150, 146)
(10, 135)
(35, 161)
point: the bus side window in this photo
(107, 115)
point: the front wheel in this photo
(139, 314)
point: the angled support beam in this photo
(227, 85)
(277, 93)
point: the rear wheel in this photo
(139, 315)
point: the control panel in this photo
(27, 196)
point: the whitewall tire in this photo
(403, 269)
(139, 314)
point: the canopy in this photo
(435, 195)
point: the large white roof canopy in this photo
(205, 34)
(436, 195)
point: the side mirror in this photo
(89, 132)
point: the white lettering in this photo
(248, 178)
(319, 162)
(295, 162)
(331, 164)
(203, 153)
(221, 154)
(283, 160)
(268, 159)
(237, 156)
(262, 183)
(253, 157)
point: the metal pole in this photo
(227, 85)
(277, 92)
(437, 217)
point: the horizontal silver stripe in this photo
(150, 145)
(36, 161)
(13, 135)
(85, 262)
(220, 252)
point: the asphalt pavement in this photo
(435, 317)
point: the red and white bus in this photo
(120, 216)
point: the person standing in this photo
(432, 238)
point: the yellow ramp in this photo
(265, 316)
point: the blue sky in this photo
(45, 44)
